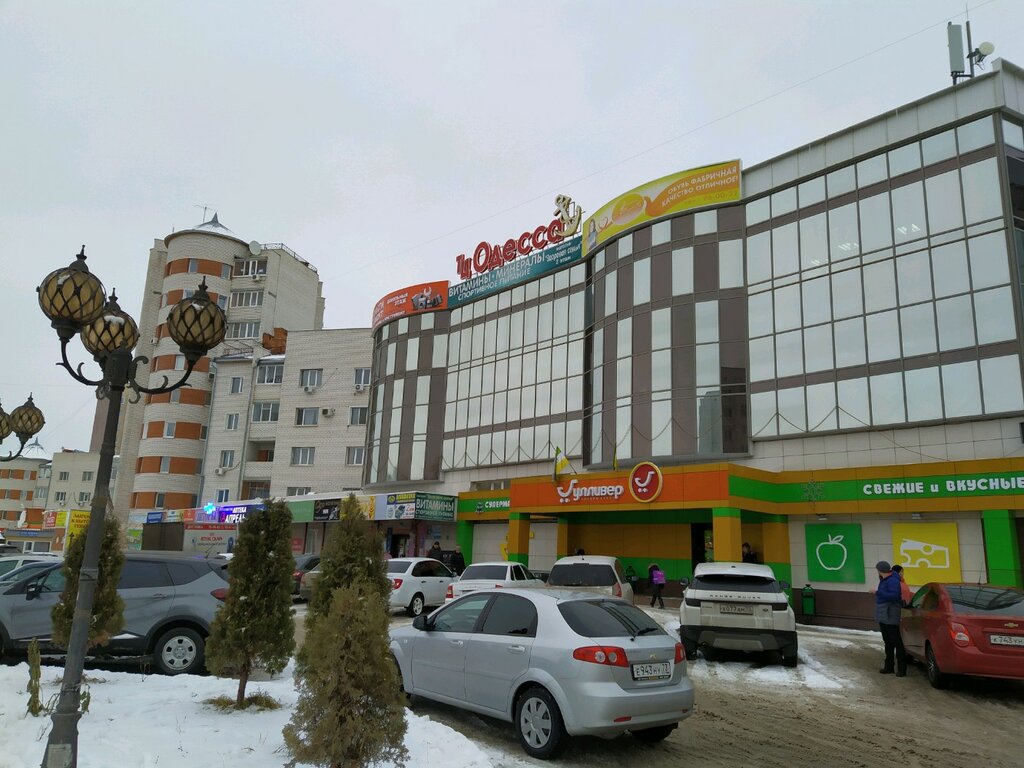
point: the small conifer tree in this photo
(352, 553)
(254, 628)
(107, 606)
(350, 710)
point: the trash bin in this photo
(807, 600)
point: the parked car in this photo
(306, 582)
(418, 583)
(169, 603)
(591, 573)
(966, 629)
(555, 663)
(739, 607)
(303, 565)
(9, 563)
(489, 576)
(25, 570)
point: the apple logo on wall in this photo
(832, 553)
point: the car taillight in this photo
(617, 590)
(608, 655)
(449, 593)
(397, 584)
(680, 653)
(499, 586)
(958, 633)
(221, 593)
(693, 602)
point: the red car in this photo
(966, 629)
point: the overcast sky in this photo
(380, 140)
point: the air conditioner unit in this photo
(155, 340)
(210, 375)
(309, 389)
(220, 471)
(257, 278)
(360, 387)
(327, 411)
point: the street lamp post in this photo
(24, 421)
(75, 301)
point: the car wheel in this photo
(180, 651)
(653, 735)
(415, 605)
(690, 649)
(790, 661)
(935, 675)
(539, 724)
(709, 653)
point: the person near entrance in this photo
(657, 579)
(435, 550)
(458, 561)
(888, 604)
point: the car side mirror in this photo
(420, 623)
(684, 583)
(33, 591)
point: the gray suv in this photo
(170, 600)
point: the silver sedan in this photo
(556, 663)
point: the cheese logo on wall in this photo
(927, 551)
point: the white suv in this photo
(591, 573)
(740, 607)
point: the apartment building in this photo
(289, 420)
(18, 480)
(261, 287)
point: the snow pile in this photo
(138, 721)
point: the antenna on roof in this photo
(206, 207)
(976, 56)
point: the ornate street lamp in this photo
(76, 302)
(24, 422)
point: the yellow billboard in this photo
(927, 552)
(695, 188)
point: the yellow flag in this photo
(561, 462)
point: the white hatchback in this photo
(591, 573)
(491, 575)
(418, 583)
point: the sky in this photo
(381, 140)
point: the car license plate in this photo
(1007, 640)
(661, 670)
(746, 610)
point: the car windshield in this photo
(485, 572)
(398, 566)
(20, 573)
(992, 601)
(607, 618)
(735, 582)
(581, 575)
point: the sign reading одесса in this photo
(423, 297)
(487, 256)
(695, 188)
(519, 271)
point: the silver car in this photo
(556, 663)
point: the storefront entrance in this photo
(701, 543)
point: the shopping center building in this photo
(819, 355)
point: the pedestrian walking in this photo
(888, 604)
(435, 550)
(657, 578)
(458, 561)
(905, 594)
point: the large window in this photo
(354, 455)
(236, 385)
(358, 415)
(306, 417)
(265, 410)
(311, 377)
(227, 459)
(247, 298)
(269, 373)
(362, 377)
(303, 457)
(250, 329)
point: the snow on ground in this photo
(138, 721)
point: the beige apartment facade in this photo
(261, 288)
(289, 424)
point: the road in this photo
(833, 710)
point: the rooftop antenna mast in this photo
(976, 57)
(206, 207)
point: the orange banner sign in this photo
(424, 297)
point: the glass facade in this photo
(882, 292)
